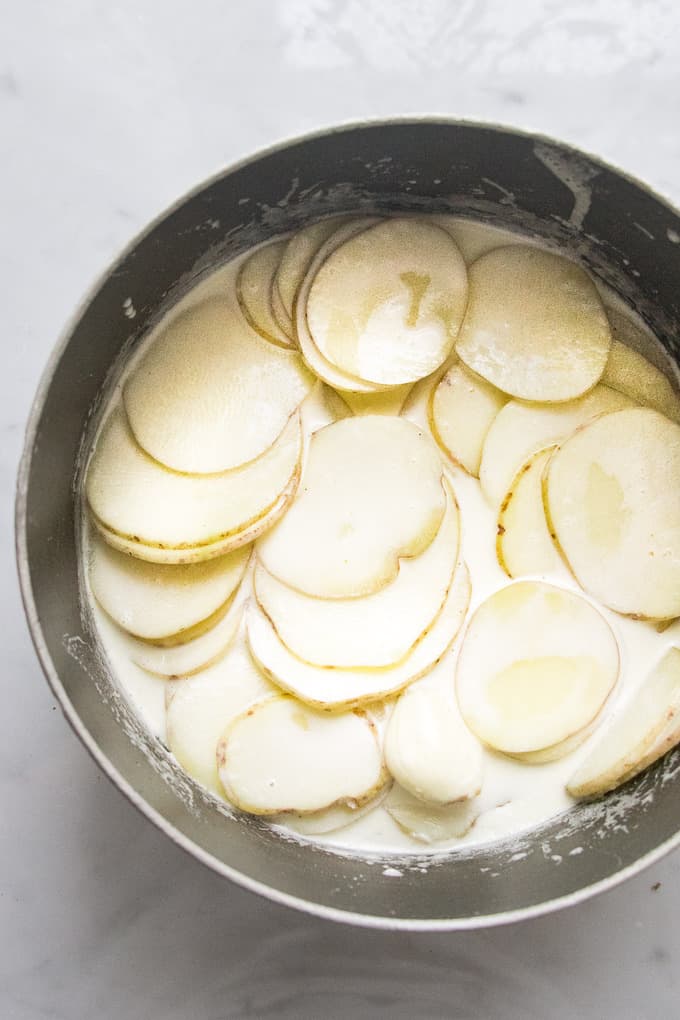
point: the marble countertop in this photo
(108, 112)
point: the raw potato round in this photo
(163, 603)
(254, 291)
(521, 429)
(430, 823)
(386, 306)
(428, 748)
(283, 756)
(633, 732)
(371, 493)
(138, 499)
(297, 258)
(323, 368)
(202, 706)
(630, 373)
(536, 666)
(210, 394)
(377, 630)
(386, 402)
(462, 408)
(523, 543)
(339, 816)
(612, 495)
(473, 238)
(331, 689)
(535, 326)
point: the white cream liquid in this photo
(515, 796)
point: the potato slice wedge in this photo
(377, 630)
(202, 706)
(523, 542)
(136, 498)
(283, 756)
(388, 402)
(332, 689)
(160, 603)
(521, 429)
(535, 326)
(339, 816)
(624, 747)
(461, 409)
(387, 304)
(428, 748)
(254, 292)
(210, 394)
(372, 493)
(612, 497)
(631, 373)
(473, 238)
(297, 257)
(536, 665)
(430, 823)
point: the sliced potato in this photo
(331, 689)
(386, 402)
(165, 604)
(298, 255)
(473, 238)
(339, 816)
(371, 493)
(387, 304)
(430, 823)
(139, 500)
(429, 749)
(210, 394)
(461, 410)
(521, 429)
(202, 706)
(535, 326)
(612, 496)
(523, 542)
(254, 292)
(626, 743)
(377, 630)
(561, 749)
(283, 756)
(536, 666)
(630, 373)
(281, 316)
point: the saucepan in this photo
(616, 226)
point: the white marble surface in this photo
(108, 110)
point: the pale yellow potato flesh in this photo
(159, 602)
(631, 373)
(376, 630)
(523, 541)
(430, 823)
(137, 499)
(282, 756)
(388, 402)
(387, 304)
(333, 689)
(521, 429)
(535, 326)
(461, 410)
(612, 499)
(624, 746)
(203, 705)
(254, 292)
(536, 665)
(298, 255)
(210, 394)
(339, 816)
(473, 239)
(371, 494)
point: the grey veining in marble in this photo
(107, 112)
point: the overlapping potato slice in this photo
(297, 257)
(164, 516)
(387, 304)
(461, 409)
(203, 705)
(430, 823)
(473, 238)
(631, 373)
(161, 603)
(535, 326)
(339, 816)
(376, 630)
(521, 429)
(254, 292)
(428, 748)
(612, 497)
(210, 394)
(632, 741)
(523, 541)
(385, 402)
(283, 756)
(332, 689)
(536, 666)
(371, 493)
